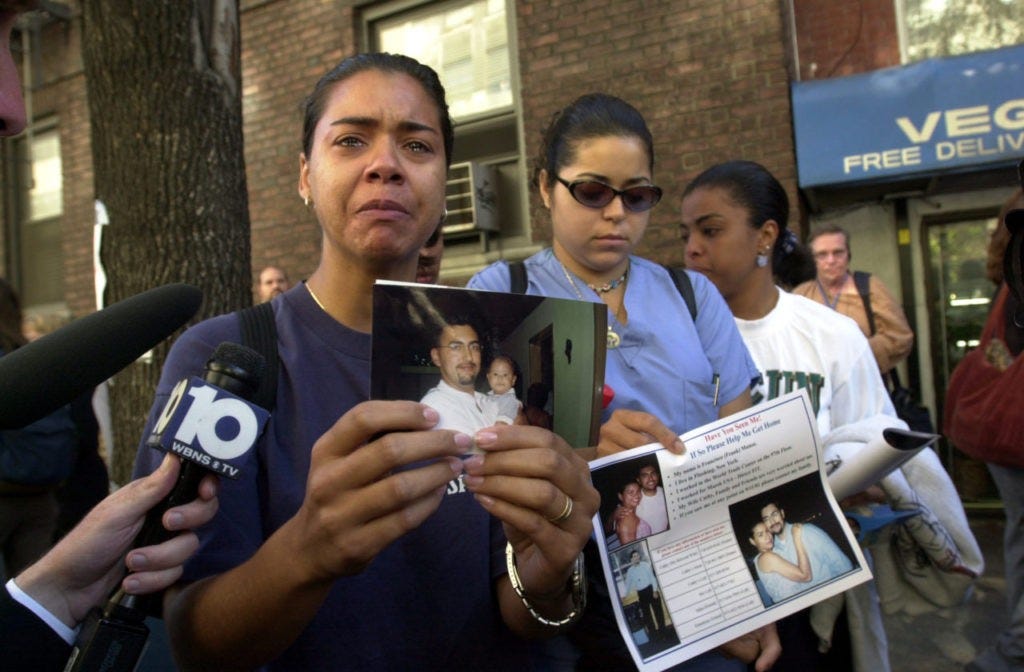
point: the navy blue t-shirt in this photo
(427, 601)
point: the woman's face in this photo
(596, 241)
(376, 171)
(630, 496)
(762, 538)
(722, 244)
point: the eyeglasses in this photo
(774, 515)
(825, 254)
(594, 194)
(460, 347)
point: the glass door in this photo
(959, 295)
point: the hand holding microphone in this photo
(83, 568)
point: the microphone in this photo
(209, 423)
(40, 377)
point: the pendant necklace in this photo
(612, 339)
(609, 286)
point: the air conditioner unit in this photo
(471, 199)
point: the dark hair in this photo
(508, 360)
(11, 336)
(752, 187)
(457, 320)
(643, 464)
(796, 267)
(313, 105)
(594, 115)
(827, 229)
(625, 484)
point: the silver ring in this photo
(566, 512)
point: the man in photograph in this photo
(457, 353)
(652, 507)
(640, 577)
(826, 558)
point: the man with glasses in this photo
(827, 559)
(457, 352)
(888, 332)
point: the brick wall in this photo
(709, 77)
(60, 93)
(286, 46)
(845, 38)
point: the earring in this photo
(762, 260)
(444, 217)
(305, 201)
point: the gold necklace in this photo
(315, 298)
(612, 339)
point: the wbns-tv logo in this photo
(208, 426)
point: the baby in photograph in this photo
(501, 377)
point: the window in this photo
(38, 263)
(932, 28)
(470, 45)
(466, 44)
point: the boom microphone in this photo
(40, 377)
(209, 423)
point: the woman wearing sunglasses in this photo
(594, 174)
(669, 372)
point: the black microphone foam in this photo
(40, 377)
(236, 369)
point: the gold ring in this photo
(566, 512)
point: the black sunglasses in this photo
(594, 194)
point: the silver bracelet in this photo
(577, 589)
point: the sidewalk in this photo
(948, 639)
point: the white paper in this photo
(703, 562)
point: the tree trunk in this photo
(164, 89)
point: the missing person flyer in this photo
(738, 532)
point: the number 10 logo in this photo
(225, 428)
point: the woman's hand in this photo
(627, 429)
(374, 476)
(531, 480)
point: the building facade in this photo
(716, 81)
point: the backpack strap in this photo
(862, 280)
(259, 332)
(517, 277)
(685, 287)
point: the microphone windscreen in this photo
(40, 377)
